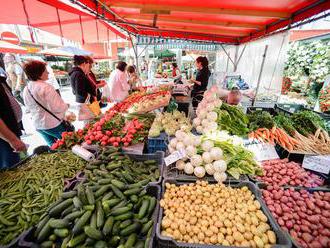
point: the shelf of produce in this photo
(27, 239)
(301, 209)
(282, 240)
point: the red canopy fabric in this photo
(59, 18)
(228, 21)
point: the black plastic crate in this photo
(166, 242)
(291, 108)
(158, 143)
(27, 240)
(261, 186)
(171, 172)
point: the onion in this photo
(199, 171)
(212, 116)
(202, 114)
(197, 140)
(188, 168)
(220, 176)
(205, 123)
(209, 169)
(179, 135)
(217, 103)
(191, 151)
(207, 145)
(196, 122)
(196, 160)
(216, 153)
(171, 149)
(188, 140)
(220, 165)
(180, 165)
(207, 157)
(173, 142)
(199, 129)
(213, 126)
(179, 146)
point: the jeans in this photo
(53, 134)
(8, 157)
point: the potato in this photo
(271, 237)
(248, 235)
(258, 241)
(220, 238)
(238, 236)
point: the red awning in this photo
(61, 19)
(6, 47)
(228, 21)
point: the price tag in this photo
(263, 151)
(173, 157)
(317, 163)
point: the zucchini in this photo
(93, 233)
(108, 226)
(78, 227)
(55, 211)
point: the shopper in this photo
(201, 81)
(10, 126)
(81, 86)
(118, 86)
(134, 79)
(17, 80)
(176, 74)
(45, 104)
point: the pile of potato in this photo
(214, 214)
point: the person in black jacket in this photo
(10, 128)
(201, 81)
(80, 84)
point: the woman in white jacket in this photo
(39, 93)
(118, 88)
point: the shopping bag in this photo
(85, 113)
(95, 108)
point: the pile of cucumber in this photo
(107, 210)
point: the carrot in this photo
(273, 129)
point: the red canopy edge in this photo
(287, 15)
(296, 17)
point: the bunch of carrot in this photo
(275, 135)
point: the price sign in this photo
(173, 157)
(317, 163)
(263, 151)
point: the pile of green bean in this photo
(27, 191)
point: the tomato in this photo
(115, 144)
(99, 128)
(92, 137)
(118, 139)
(108, 133)
(126, 144)
(88, 142)
(104, 138)
(112, 139)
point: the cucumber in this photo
(67, 211)
(149, 162)
(58, 209)
(44, 232)
(124, 216)
(41, 224)
(74, 215)
(130, 229)
(132, 191)
(143, 209)
(100, 244)
(119, 211)
(117, 192)
(65, 242)
(90, 196)
(77, 240)
(108, 226)
(134, 198)
(115, 228)
(89, 207)
(58, 223)
(125, 223)
(121, 246)
(89, 241)
(101, 190)
(121, 204)
(81, 194)
(77, 202)
(146, 227)
(120, 185)
(131, 240)
(46, 244)
(78, 227)
(143, 193)
(139, 244)
(107, 196)
(93, 220)
(52, 237)
(128, 177)
(113, 202)
(93, 233)
(114, 241)
(104, 181)
(62, 233)
(152, 205)
(69, 194)
(113, 165)
(99, 215)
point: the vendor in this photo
(176, 74)
(118, 86)
(234, 96)
(201, 81)
(134, 79)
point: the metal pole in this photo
(260, 74)
(135, 53)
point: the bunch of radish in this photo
(306, 216)
(201, 157)
(206, 120)
(283, 172)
